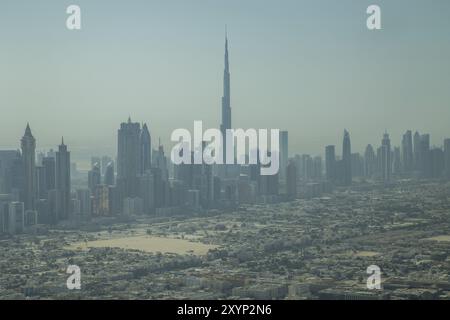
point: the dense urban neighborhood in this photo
(317, 248)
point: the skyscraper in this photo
(317, 168)
(100, 201)
(396, 161)
(128, 157)
(330, 163)
(41, 184)
(416, 142)
(50, 171)
(370, 162)
(447, 158)
(105, 161)
(284, 154)
(226, 99)
(425, 156)
(16, 217)
(346, 160)
(97, 161)
(84, 196)
(94, 177)
(147, 191)
(109, 174)
(307, 167)
(145, 148)
(28, 144)
(386, 163)
(407, 152)
(62, 182)
(7, 160)
(437, 161)
(291, 180)
(357, 165)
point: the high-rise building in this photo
(30, 218)
(43, 211)
(283, 154)
(63, 181)
(330, 163)
(160, 162)
(346, 160)
(109, 174)
(291, 180)
(7, 159)
(51, 153)
(357, 165)
(75, 209)
(307, 167)
(226, 99)
(41, 183)
(40, 155)
(396, 161)
(16, 218)
(416, 144)
(437, 160)
(425, 157)
(370, 162)
(28, 144)
(115, 204)
(49, 163)
(52, 213)
(447, 158)
(84, 196)
(147, 192)
(94, 177)
(407, 153)
(100, 204)
(385, 161)
(133, 206)
(96, 161)
(5, 200)
(128, 157)
(145, 142)
(317, 169)
(105, 161)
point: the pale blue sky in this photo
(310, 67)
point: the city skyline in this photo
(225, 150)
(274, 69)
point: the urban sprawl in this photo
(141, 227)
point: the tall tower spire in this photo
(226, 99)
(227, 67)
(226, 73)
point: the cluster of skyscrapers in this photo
(143, 181)
(33, 192)
(415, 158)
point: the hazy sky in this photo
(310, 67)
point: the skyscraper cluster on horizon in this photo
(33, 192)
(415, 158)
(143, 181)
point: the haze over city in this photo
(326, 175)
(162, 62)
